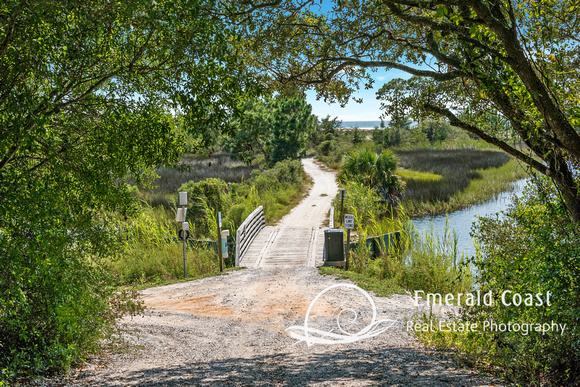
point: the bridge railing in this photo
(247, 231)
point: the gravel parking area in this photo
(231, 330)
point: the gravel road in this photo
(231, 330)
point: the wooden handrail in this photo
(247, 231)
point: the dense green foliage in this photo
(374, 170)
(277, 128)
(88, 96)
(532, 249)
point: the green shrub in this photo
(533, 249)
(56, 300)
(373, 170)
(326, 147)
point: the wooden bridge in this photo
(298, 239)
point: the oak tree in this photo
(89, 95)
(513, 58)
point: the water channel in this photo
(461, 221)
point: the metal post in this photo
(181, 214)
(347, 250)
(184, 256)
(185, 230)
(342, 196)
(219, 239)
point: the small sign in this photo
(342, 194)
(183, 198)
(220, 218)
(349, 221)
(181, 214)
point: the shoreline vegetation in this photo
(488, 184)
(446, 177)
(440, 177)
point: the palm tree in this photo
(378, 171)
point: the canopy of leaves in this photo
(518, 59)
(277, 128)
(88, 94)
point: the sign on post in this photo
(348, 221)
(183, 199)
(180, 215)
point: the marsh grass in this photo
(150, 254)
(434, 264)
(429, 262)
(407, 175)
(219, 165)
(467, 177)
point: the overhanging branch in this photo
(455, 121)
(345, 62)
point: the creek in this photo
(462, 220)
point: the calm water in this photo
(461, 221)
(362, 124)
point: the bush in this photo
(326, 147)
(532, 249)
(376, 171)
(56, 300)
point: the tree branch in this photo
(455, 121)
(345, 62)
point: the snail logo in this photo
(337, 334)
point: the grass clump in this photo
(430, 262)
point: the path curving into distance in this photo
(231, 329)
(298, 239)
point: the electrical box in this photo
(334, 245)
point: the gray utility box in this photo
(333, 246)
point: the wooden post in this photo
(219, 240)
(342, 196)
(347, 252)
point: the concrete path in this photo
(297, 240)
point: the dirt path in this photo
(297, 239)
(312, 211)
(231, 330)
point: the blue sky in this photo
(369, 110)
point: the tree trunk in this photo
(563, 178)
